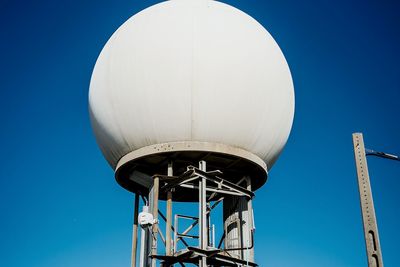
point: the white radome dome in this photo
(191, 70)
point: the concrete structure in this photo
(371, 234)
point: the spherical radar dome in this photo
(191, 70)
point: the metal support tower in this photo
(367, 205)
(211, 190)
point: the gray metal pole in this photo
(371, 235)
(169, 217)
(144, 243)
(135, 231)
(202, 215)
(142, 248)
(251, 227)
(175, 233)
(155, 216)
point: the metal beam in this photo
(155, 216)
(168, 224)
(370, 152)
(135, 231)
(371, 235)
(225, 183)
(202, 215)
(144, 243)
(216, 190)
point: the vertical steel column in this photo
(371, 235)
(168, 239)
(135, 231)
(251, 227)
(144, 243)
(213, 236)
(175, 233)
(155, 216)
(202, 214)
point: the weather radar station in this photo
(191, 103)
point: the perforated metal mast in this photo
(371, 235)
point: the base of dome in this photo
(134, 171)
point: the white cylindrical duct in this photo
(239, 226)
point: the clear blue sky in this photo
(59, 203)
